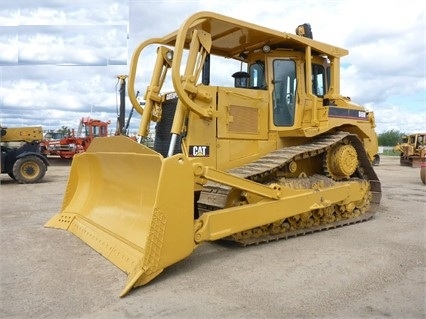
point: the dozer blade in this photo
(121, 200)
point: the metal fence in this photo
(387, 151)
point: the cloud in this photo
(9, 48)
(77, 12)
(75, 90)
(72, 45)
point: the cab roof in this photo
(231, 37)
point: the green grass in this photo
(389, 153)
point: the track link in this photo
(216, 196)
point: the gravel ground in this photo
(374, 269)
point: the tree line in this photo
(390, 138)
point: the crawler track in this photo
(266, 170)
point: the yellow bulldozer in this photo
(412, 149)
(276, 153)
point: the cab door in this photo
(284, 91)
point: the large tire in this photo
(29, 169)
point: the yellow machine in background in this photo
(24, 161)
(279, 153)
(412, 150)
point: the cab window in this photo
(284, 92)
(257, 75)
(319, 84)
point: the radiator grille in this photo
(243, 119)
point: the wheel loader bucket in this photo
(125, 204)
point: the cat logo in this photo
(199, 151)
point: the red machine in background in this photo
(68, 146)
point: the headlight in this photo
(169, 55)
(266, 48)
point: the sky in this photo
(59, 60)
